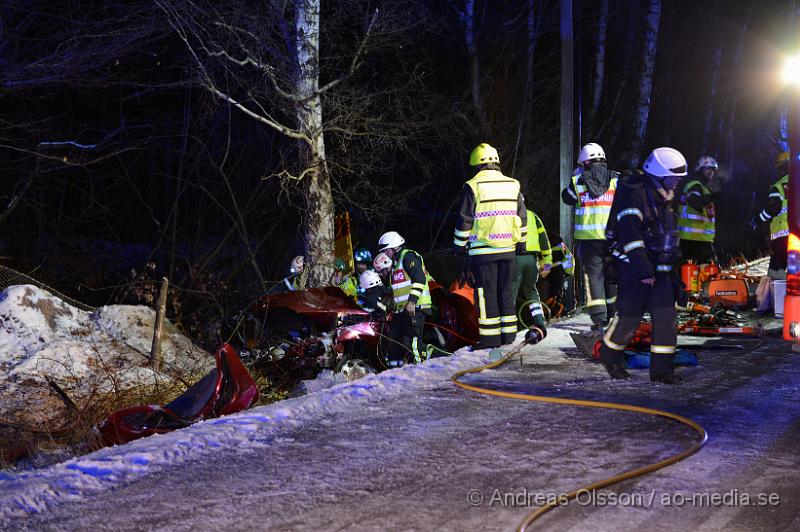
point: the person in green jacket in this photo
(537, 248)
(345, 281)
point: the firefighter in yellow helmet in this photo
(775, 213)
(491, 228)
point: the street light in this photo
(791, 71)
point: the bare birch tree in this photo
(268, 65)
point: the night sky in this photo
(116, 153)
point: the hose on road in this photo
(536, 514)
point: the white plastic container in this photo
(778, 294)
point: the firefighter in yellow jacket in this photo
(697, 212)
(592, 191)
(412, 300)
(537, 248)
(776, 214)
(492, 228)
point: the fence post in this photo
(155, 350)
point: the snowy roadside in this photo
(43, 338)
(35, 491)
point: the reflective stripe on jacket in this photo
(779, 225)
(497, 226)
(591, 214)
(403, 286)
(537, 242)
(693, 224)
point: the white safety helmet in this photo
(390, 240)
(665, 162)
(369, 279)
(706, 162)
(298, 263)
(382, 262)
(590, 152)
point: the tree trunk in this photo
(616, 120)
(527, 96)
(599, 62)
(470, 39)
(715, 62)
(734, 102)
(645, 81)
(319, 215)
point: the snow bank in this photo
(43, 337)
(35, 491)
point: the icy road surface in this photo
(407, 450)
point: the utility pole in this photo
(565, 212)
(565, 224)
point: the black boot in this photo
(666, 378)
(480, 346)
(617, 371)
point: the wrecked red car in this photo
(296, 334)
(227, 389)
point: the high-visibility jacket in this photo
(591, 214)
(497, 226)
(562, 256)
(779, 224)
(349, 286)
(292, 282)
(403, 286)
(537, 242)
(693, 224)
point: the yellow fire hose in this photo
(536, 514)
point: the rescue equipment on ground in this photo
(730, 290)
(709, 271)
(690, 275)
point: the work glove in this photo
(535, 335)
(520, 248)
(754, 222)
(459, 251)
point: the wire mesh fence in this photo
(444, 265)
(10, 277)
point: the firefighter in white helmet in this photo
(492, 228)
(644, 242)
(697, 212)
(591, 192)
(373, 293)
(412, 300)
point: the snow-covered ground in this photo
(33, 491)
(407, 449)
(85, 353)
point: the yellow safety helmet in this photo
(483, 154)
(783, 157)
